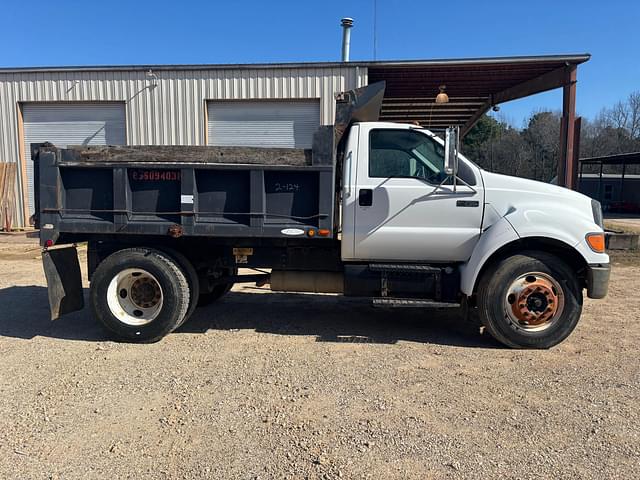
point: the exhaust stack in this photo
(347, 24)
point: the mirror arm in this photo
(439, 186)
(455, 177)
(463, 183)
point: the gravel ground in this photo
(266, 385)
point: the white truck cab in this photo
(524, 249)
(395, 204)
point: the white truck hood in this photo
(506, 194)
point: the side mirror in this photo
(451, 141)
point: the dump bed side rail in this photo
(180, 196)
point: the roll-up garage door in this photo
(263, 123)
(63, 124)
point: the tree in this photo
(498, 147)
(543, 136)
(533, 152)
(477, 144)
(512, 154)
(624, 115)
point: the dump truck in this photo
(385, 211)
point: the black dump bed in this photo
(196, 191)
(183, 190)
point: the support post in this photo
(580, 175)
(566, 167)
(22, 175)
(624, 167)
(600, 184)
(575, 160)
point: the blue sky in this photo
(37, 33)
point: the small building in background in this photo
(613, 180)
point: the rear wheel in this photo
(139, 294)
(217, 292)
(530, 300)
(191, 275)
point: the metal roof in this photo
(473, 86)
(571, 58)
(632, 158)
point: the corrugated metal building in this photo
(253, 105)
(270, 105)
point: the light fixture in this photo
(153, 77)
(73, 85)
(442, 97)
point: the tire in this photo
(530, 300)
(219, 291)
(216, 294)
(139, 294)
(192, 278)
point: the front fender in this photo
(564, 224)
(495, 237)
(567, 225)
(569, 230)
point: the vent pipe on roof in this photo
(346, 23)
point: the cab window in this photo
(405, 154)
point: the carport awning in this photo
(473, 86)
(632, 158)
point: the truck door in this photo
(405, 208)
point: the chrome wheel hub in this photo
(534, 302)
(135, 297)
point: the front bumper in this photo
(598, 280)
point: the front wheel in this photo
(530, 300)
(139, 294)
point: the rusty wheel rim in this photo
(534, 302)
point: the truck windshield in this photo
(405, 153)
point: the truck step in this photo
(411, 302)
(404, 268)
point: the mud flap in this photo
(62, 269)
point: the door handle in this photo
(467, 203)
(365, 197)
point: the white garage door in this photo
(263, 123)
(71, 124)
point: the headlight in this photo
(597, 213)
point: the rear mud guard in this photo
(62, 269)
